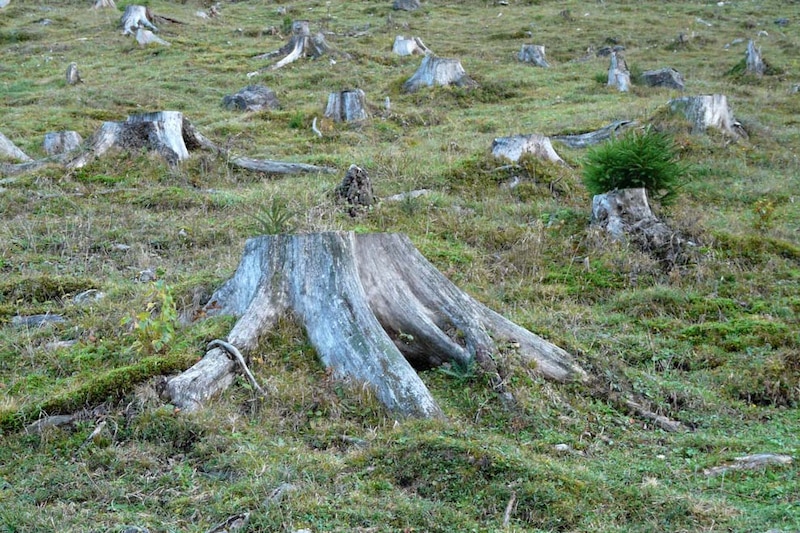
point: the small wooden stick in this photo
(232, 350)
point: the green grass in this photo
(712, 343)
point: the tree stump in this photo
(753, 62)
(252, 98)
(665, 77)
(438, 71)
(355, 190)
(73, 76)
(347, 106)
(707, 111)
(145, 37)
(406, 5)
(135, 17)
(62, 142)
(514, 147)
(407, 47)
(9, 150)
(99, 4)
(618, 74)
(301, 44)
(533, 53)
(373, 308)
(582, 140)
(626, 215)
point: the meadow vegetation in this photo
(714, 343)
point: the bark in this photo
(665, 77)
(9, 150)
(356, 190)
(533, 53)
(708, 111)
(618, 74)
(407, 47)
(753, 62)
(373, 308)
(582, 140)
(512, 148)
(62, 142)
(438, 71)
(406, 5)
(252, 98)
(135, 17)
(73, 76)
(301, 44)
(347, 106)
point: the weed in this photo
(154, 328)
(274, 219)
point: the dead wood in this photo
(145, 37)
(438, 71)
(355, 190)
(618, 74)
(514, 147)
(753, 62)
(62, 142)
(708, 111)
(534, 54)
(347, 106)
(9, 150)
(252, 98)
(301, 44)
(582, 140)
(665, 77)
(73, 76)
(99, 4)
(405, 5)
(410, 46)
(373, 308)
(135, 17)
(751, 462)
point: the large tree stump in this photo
(252, 98)
(347, 106)
(62, 142)
(438, 71)
(373, 308)
(514, 147)
(410, 46)
(533, 53)
(582, 140)
(135, 17)
(301, 44)
(618, 74)
(665, 77)
(753, 62)
(626, 215)
(708, 111)
(9, 150)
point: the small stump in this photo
(73, 76)
(347, 106)
(407, 47)
(438, 71)
(406, 5)
(708, 111)
(618, 74)
(301, 44)
(135, 17)
(62, 142)
(355, 190)
(534, 54)
(513, 148)
(753, 63)
(252, 98)
(665, 77)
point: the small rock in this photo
(91, 295)
(783, 21)
(146, 276)
(35, 321)
(117, 247)
(562, 448)
(59, 345)
(252, 98)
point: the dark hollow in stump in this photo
(301, 44)
(533, 53)
(62, 142)
(438, 71)
(252, 98)
(406, 5)
(355, 190)
(708, 111)
(373, 308)
(347, 106)
(753, 62)
(407, 47)
(618, 74)
(590, 138)
(664, 77)
(135, 17)
(514, 147)
(73, 76)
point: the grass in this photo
(713, 343)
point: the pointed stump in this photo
(534, 54)
(618, 74)
(753, 63)
(373, 308)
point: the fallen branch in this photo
(231, 349)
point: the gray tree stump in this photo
(355, 190)
(514, 147)
(410, 46)
(753, 62)
(99, 4)
(438, 71)
(145, 37)
(618, 74)
(406, 5)
(582, 140)
(665, 77)
(252, 98)
(373, 308)
(73, 76)
(62, 142)
(9, 150)
(135, 17)
(301, 44)
(534, 54)
(708, 111)
(347, 106)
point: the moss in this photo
(44, 288)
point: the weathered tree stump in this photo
(665, 77)
(707, 111)
(626, 215)
(410, 46)
(582, 140)
(438, 71)
(514, 147)
(373, 308)
(135, 17)
(753, 62)
(72, 75)
(252, 98)
(618, 74)
(355, 190)
(99, 4)
(406, 5)
(533, 53)
(62, 142)
(145, 37)
(301, 44)
(9, 150)
(347, 106)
